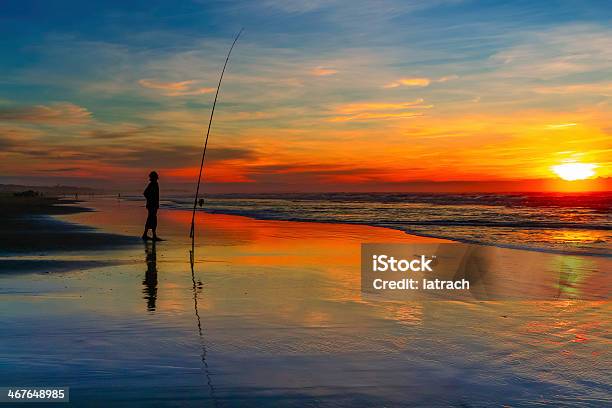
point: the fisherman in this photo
(151, 193)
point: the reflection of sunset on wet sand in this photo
(281, 318)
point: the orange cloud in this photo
(180, 88)
(322, 71)
(418, 81)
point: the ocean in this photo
(576, 223)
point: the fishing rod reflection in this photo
(196, 288)
(150, 280)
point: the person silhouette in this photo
(151, 194)
(150, 281)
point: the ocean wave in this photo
(592, 200)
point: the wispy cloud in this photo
(604, 88)
(322, 71)
(561, 126)
(447, 78)
(63, 113)
(166, 156)
(118, 132)
(378, 110)
(556, 53)
(350, 108)
(59, 170)
(419, 82)
(197, 91)
(169, 86)
(364, 116)
(180, 88)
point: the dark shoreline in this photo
(28, 228)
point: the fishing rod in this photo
(192, 234)
(212, 112)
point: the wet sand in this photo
(28, 227)
(272, 315)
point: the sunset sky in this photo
(319, 95)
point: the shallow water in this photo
(273, 315)
(565, 223)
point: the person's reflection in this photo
(150, 280)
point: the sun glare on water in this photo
(574, 171)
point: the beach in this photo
(272, 314)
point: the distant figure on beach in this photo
(151, 193)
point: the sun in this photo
(574, 171)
